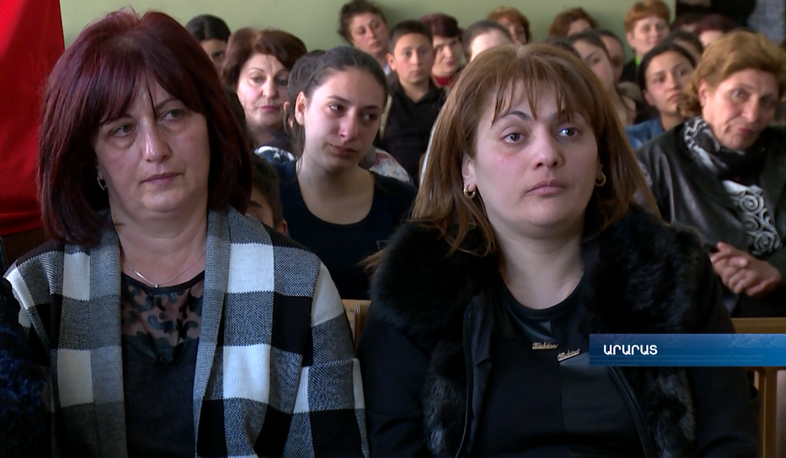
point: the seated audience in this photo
(713, 26)
(415, 100)
(483, 35)
(526, 240)
(363, 25)
(213, 34)
(722, 171)
(332, 206)
(166, 322)
(664, 71)
(616, 51)
(646, 25)
(265, 203)
(447, 47)
(257, 68)
(688, 41)
(593, 52)
(513, 20)
(572, 21)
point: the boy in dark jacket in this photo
(415, 100)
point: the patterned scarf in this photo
(739, 171)
(726, 163)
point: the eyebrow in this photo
(347, 102)
(164, 102)
(526, 117)
(156, 108)
(746, 87)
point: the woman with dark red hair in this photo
(257, 67)
(165, 321)
(447, 47)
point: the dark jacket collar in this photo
(421, 290)
(434, 93)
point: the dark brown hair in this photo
(489, 82)
(442, 25)
(208, 27)
(352, 9)
(298, 79)
(244, 43)
(408, 27)
(562, 21)
(479, 28)
(94, 81)
(684, 35)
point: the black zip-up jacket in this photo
(428, 329)
(687, 193)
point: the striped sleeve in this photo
(329, 414)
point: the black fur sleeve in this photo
(23, 416)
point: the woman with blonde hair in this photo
(723, 171)
(525, 240)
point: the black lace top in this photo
(160, 332)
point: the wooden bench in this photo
(766, 381)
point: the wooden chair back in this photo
(766, 381)
(356, 311)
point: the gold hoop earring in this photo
(469, 194)
(101, 183)
(602, 181)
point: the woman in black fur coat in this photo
(526, 240)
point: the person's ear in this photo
(468, 173)
(391, 62)
(282, 227)
(704, 91)
(300, 108)
(629, 38)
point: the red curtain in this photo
(31, 40)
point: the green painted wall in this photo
(316, 21)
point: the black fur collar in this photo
(639, 271)
(641, 277)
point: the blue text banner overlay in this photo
(688, 350)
